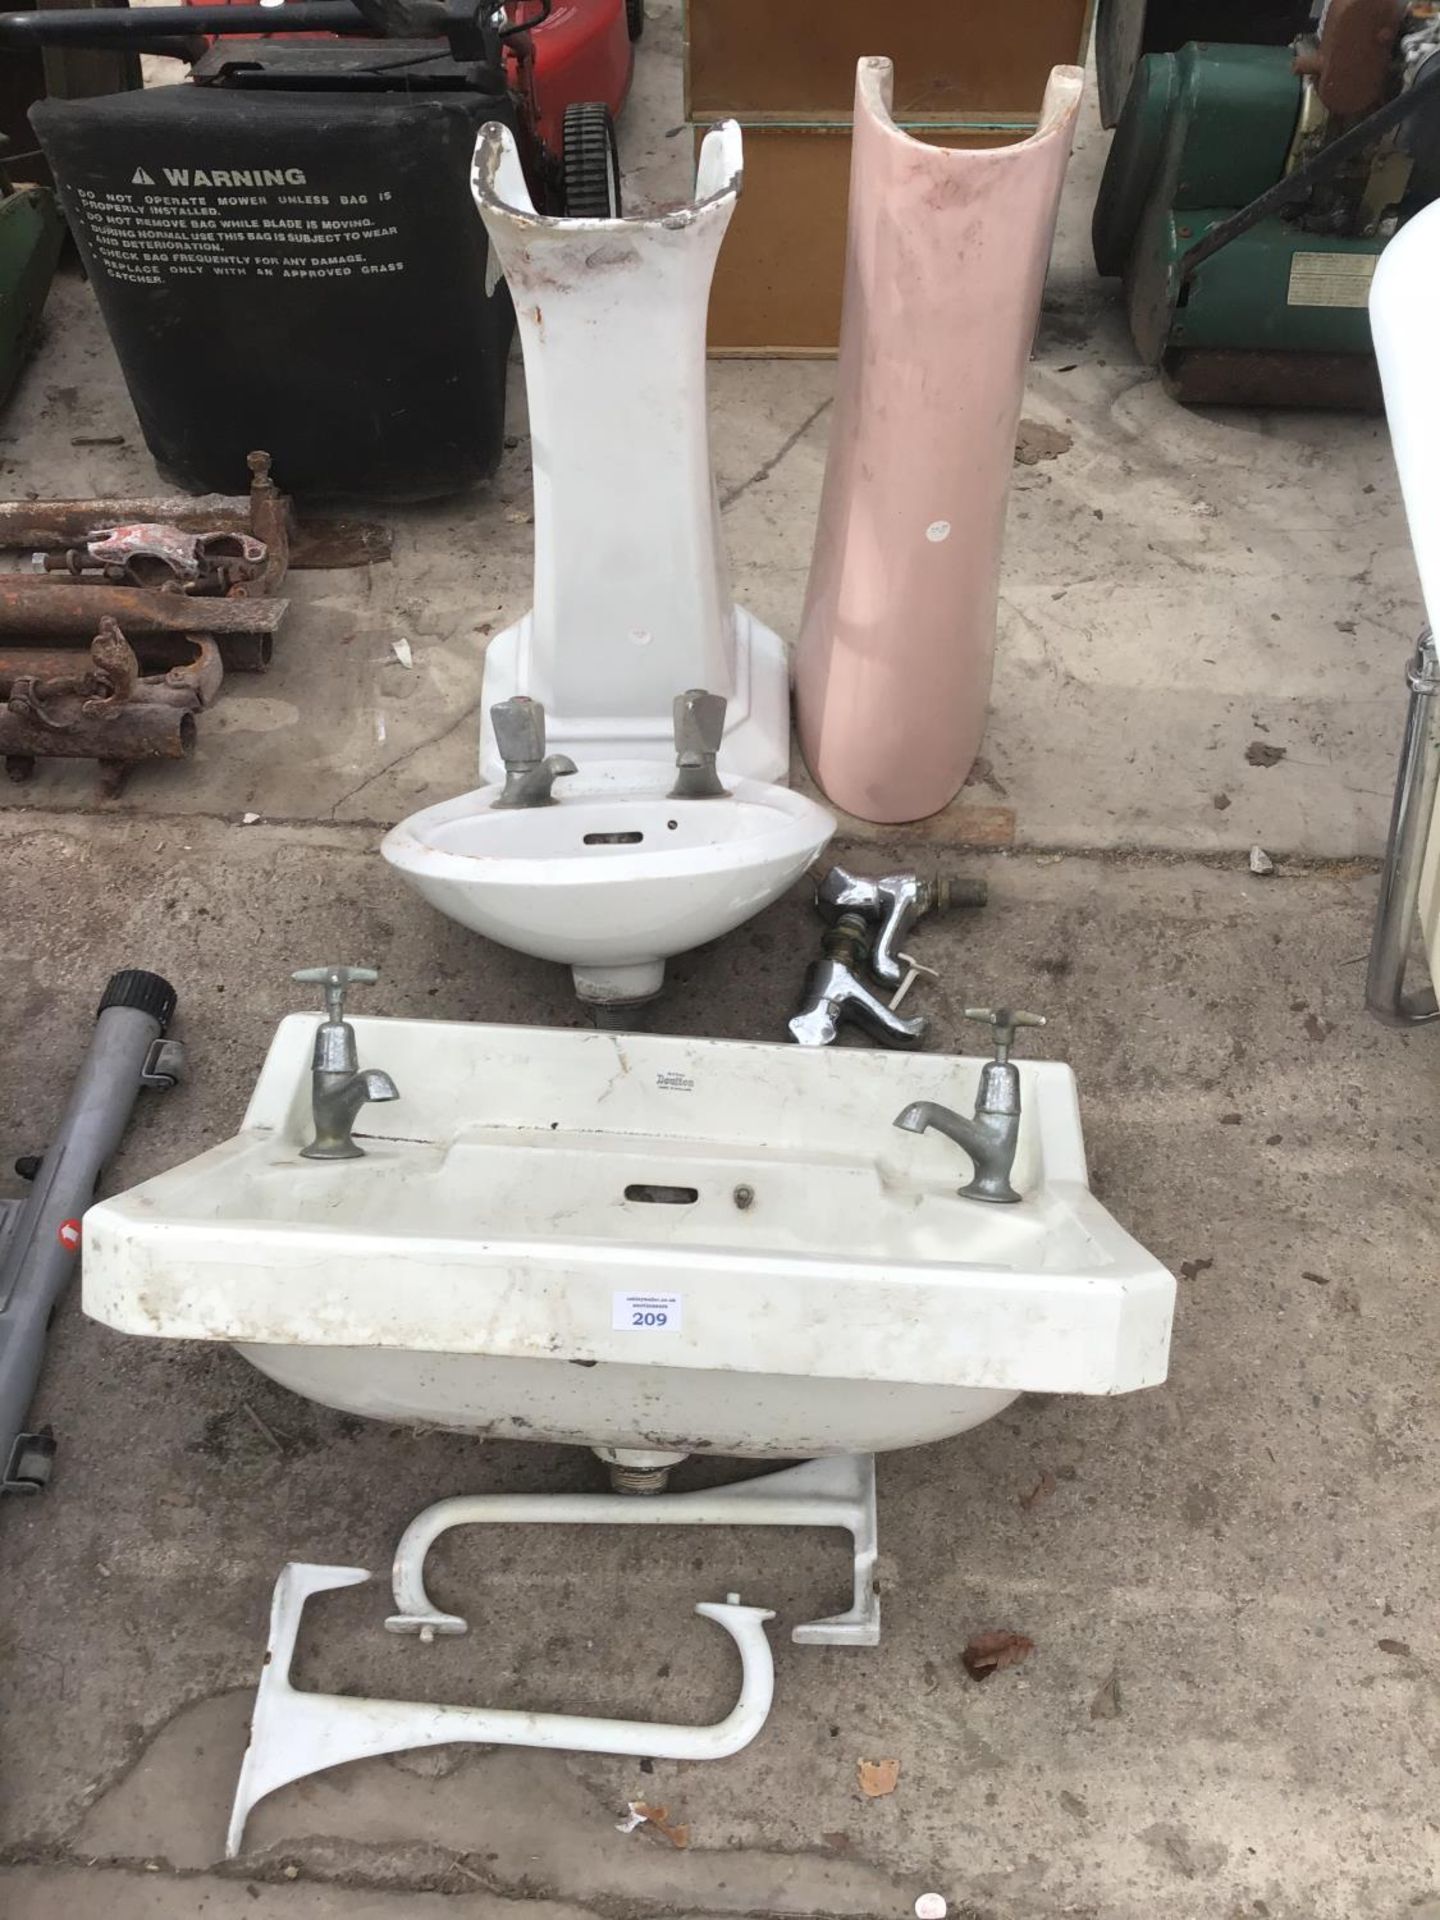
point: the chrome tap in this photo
(699, 730)
(990, 1138)
(519, 725)
(893, 904)
(835, 992)
(338, 1088)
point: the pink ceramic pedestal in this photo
(944, 270)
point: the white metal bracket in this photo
(294, 1734)
(835, 1492)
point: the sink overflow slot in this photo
(613, 839)
(662, 1196)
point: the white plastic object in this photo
(615, 876)
(838, 1492)
(478, 1269)
(914, 970)
(632, 596)
(294, 1734)
(1405, 323)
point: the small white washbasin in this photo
(614, 876)
(641, 1242)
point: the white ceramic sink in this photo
(639, 1242)
(614, 876)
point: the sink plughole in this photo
(640, 1242)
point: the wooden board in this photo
(781, 271)
(954, 59)
(963, 824)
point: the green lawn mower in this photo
(31, 235)
(1254, 181)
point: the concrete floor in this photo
(1232, 1709)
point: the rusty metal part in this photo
(40, 663)
(49, 605)
(49, 609)
(1235, 377)
(50, 526)
(158, 652)
(237, 549)
(114, 670)
(268, 523)
(200, 678)
(235, 652)
(323, 544)
(62, 704)
(104, 679)
(239, 563)
(146, 554)
(194, 683)
(1351, 61)
(133, 733)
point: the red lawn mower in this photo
(569, 63)
(574, 83)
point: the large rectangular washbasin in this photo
(640, 1242)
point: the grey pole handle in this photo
(41, 1234)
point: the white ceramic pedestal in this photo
(632, 596)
